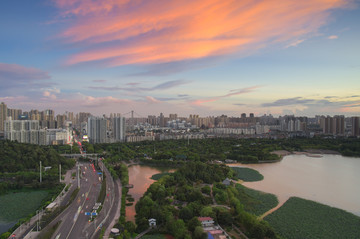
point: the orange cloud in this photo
(160, 31)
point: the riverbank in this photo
(314, 153)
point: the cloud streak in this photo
(163, 86)
(288, 101)
(317, 105)
(120, 32)
(231, 93)
(20, 80)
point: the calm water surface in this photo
(140, 177)
(331, 179)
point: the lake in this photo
(140, 177)
(330, 179)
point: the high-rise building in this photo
(152, 120)
(70, 117)
(118, 128)
(172, 116)
(49, 115)
(333, 125)
(14, 113)
(60, 121)
(355, 126)
(162, 120)
(24, 131)
(83, 117)
(96, 130)
(3, 115)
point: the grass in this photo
(248, 174)
(159, 175)
(300, 218)
(254, 201)
(16, 205)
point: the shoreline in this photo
(314, 153)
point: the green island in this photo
(159, 175)
(247, 174)
(301, 218)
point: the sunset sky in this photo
(206, 57)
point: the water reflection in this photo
(140, 177)
(331, 180)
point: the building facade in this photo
(97, 130)
(118, 129)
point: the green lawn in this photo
(248, 174)
(300, 218)
(254, 201)
(16, 205)
(159, 175)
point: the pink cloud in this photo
(333, 37)
(100, 101)
(152, 100)
(144, 31)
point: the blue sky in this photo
(206, 57)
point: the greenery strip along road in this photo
(299, 218)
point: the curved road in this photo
(74, 222)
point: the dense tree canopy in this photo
(20, 163)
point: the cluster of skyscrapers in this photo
(43, 127)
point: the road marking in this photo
(77, 213)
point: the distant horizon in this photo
(182, 56)
(137, 114)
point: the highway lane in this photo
(111, 208)
(74, 222)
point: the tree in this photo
(186, 214)
(199, 233)
(207, 212)
(193, 223)
(179, 229)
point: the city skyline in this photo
(205, 57)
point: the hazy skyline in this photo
(207, 57)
